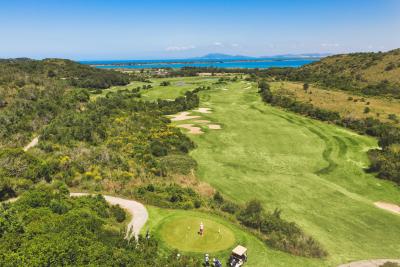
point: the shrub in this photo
(218, 197)
(390, 264)
(230, 207)
(278, 233)
(118, 213)
(165, 83)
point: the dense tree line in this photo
(111, 142)
(46, 227)
(295, 106)
(385, 161)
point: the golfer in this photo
(201, 228)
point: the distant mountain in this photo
(223, 56)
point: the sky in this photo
(150, 29)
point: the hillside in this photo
(22, 71)
(368, 73)
(33, 92)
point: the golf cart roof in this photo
(239, 250)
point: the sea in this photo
(216, 63)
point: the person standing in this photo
(201, 228)
(207, 260)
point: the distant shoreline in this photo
(217, 63)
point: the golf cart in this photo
(238, 256)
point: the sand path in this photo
(33, 143)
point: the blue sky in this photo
(117, 29)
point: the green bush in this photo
(118, 213)
(278, 233)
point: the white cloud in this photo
(180, 48)
(330, 45)
(235, 45)
(218, 44)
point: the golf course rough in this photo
(182, 233)
(312, 171)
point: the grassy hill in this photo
(367, 73)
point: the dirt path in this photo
(33, 143)
(136, 209)
(368, 263)
(388, 206)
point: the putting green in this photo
(182, 233)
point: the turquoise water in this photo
(179, 63)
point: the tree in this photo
(306, 86)
(165, 83)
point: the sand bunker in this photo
(214, 126)
(202, 121)
(203, 110)
(388, 206)
(183, 116)
(192, 129)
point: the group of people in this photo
(216, 262)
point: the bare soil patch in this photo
(388, 206)
(182, 116)
(192, 129)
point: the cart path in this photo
(33, 143)
(136, 209)
(368, 263)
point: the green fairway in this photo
(171, 228)
(177, 88)
(309, 169)
(313, 171)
